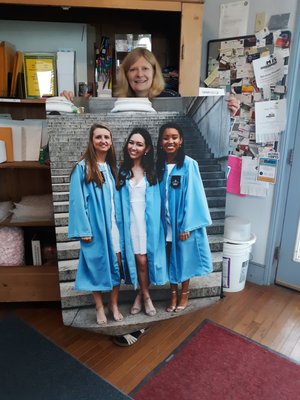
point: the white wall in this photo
(256, 209)
(49, 37)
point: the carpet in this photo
(33, 368)
(216, 363)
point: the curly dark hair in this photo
(161, 155)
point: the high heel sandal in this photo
(150, 310)
(181, 308)
(172, 307)
(137, 305)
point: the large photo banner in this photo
(204, 126)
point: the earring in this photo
(145, 153)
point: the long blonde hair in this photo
(92, 172)
(123, 88)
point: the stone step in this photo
(60, 179)
(195, 144)
(198, 154)
(216, 201)
(206, 161)
(60, 196)
(212, 175)
(207, 172)
(209, 168)
(200, 287)
(210, 192)
(58, 172)
(85, 318)
(214, 182)
(217, 213)
(213, 202)
(67, 268)
(62, 219)
(60, 206)
(213, 191)
(70, 250)
(208, 182)
(202, 159)
(217, 228)
(60, 187)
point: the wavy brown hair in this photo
(91, 169)
(123, 88)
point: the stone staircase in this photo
(68, 138)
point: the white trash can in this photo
(238, 241)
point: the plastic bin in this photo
(237, 247)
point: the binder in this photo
(36, 250)
(7, 56)
(17, 75)
(6, 136)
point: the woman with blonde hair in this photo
(139, 75)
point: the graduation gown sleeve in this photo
(195, 208)
(79, 224)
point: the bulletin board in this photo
(230, 65)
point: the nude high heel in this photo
(172, 306)
(183, 307)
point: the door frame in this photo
(284, 170)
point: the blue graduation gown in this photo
(90, 215)
(189, 212)
(156, 251)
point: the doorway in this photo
(283, 268)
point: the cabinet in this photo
(22, 178)
(115, 16)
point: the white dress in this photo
(114, 228)
(137, 193)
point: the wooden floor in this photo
(267, 314)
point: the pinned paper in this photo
(234, 19)
(267, 169)
(249, 183)
(262, 34)
(268, 70)
(212, 76)
(270, 120)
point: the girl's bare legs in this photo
(114, 296)
(184, 297)
(142, 269)
(100, 314)
(173, 301)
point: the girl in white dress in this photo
(143, 231)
